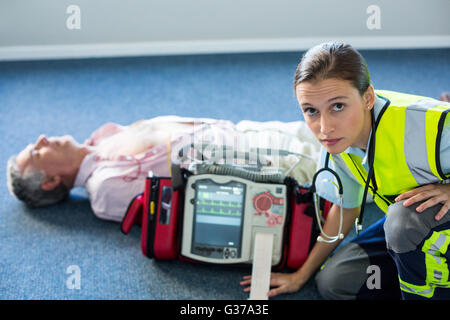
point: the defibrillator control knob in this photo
(226, 253)
(230, 253)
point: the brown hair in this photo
(333, 60)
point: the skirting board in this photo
(101, 50)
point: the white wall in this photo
(36, 29)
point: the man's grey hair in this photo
(27, 186)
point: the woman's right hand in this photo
(281, 283)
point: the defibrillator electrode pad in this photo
(223, 214)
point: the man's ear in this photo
(369, 97)
(50, 183)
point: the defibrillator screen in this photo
(218, 216)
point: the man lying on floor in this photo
(114, 162)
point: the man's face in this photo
(52, 155)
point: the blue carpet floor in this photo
(77, 96)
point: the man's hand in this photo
(284, 283)
(431, 194)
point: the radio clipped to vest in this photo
(211, 213)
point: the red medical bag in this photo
(159, 211)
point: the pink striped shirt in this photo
(112, 181)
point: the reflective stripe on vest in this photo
(424, 291)
(407, 142)
(436, 264)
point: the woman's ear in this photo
(50, 183)
(369, 97)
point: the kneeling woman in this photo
(393, 145)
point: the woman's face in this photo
(52, 155)
(336, 113)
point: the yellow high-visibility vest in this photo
(407, 141)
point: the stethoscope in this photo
(325, 237)
(370, 177)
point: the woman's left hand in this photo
(431, 195)
(282, 283)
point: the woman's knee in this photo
(405, 228)
(343, 274)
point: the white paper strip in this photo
(262, 264)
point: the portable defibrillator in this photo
(222, 212)
(213, 218)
